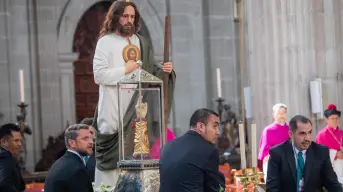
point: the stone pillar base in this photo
(146, 180)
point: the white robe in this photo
(265, 167)
(108, 68)
(337, 165)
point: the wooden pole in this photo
(166, 75)
(241, 53)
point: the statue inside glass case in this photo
(141, 140)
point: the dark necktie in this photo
(300, 168)
(85, 159)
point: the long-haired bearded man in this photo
(120, 30)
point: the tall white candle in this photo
(219, 84)
(242, 146)
(21, 84)
(253, 145)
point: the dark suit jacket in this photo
(68, 174)
(189, 163)
(318, 171)
(91, 167)
(10, 176)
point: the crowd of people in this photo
(187, 163)
(291, 161)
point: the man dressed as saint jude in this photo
(118, 49)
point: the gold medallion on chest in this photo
(131, 52)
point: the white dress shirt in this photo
(296, 151)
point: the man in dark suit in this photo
(90, 160)
(10, 146)
(191, 162)
(69, 173)
(300, 164)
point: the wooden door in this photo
(85, 39)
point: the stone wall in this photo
(291, 43)
(203, 39)
(15, 55)
(5, 95)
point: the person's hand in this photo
(130, 66)
(167, 67)
(339, 154)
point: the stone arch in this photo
(75, 9)
(67, 24)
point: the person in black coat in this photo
(10, 146)
(300, 164)
(90, 160)
(191, 162)
(90, 165)
(69, 173)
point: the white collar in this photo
(281, 124)
(72, 151)
(297, 150)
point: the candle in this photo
(242, 146)
(21, 83)
(219, 85)
(253, 145)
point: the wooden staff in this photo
(166, 75)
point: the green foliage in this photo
(103, 188)
(221, 189)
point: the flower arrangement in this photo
(103, 188)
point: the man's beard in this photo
(127, 29)
(82, 152)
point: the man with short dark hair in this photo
(10, 145)
(300, 164)
(69, 173)
(191, 162)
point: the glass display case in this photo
(142, 131)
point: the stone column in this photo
(5, 97)
(67, 87)
(188, 54)
(49, 70)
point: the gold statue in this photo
(141, 141)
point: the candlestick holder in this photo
(244, 180)
(255, 178)
(220, 108)
(24, 128)
(21, 117)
